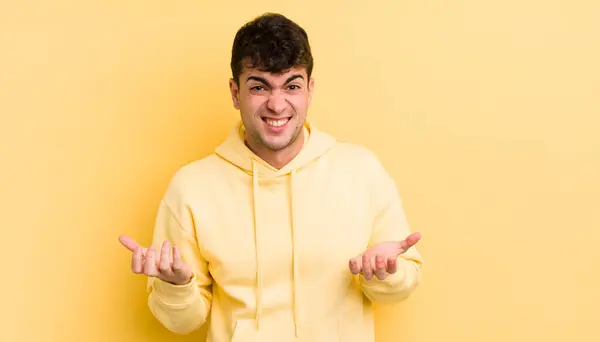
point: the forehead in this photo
(275, 78)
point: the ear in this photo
(235, 93)
(311, 87)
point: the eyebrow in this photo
(264, 81)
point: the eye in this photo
(294, 87)
(257, 88)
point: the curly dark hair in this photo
(270, 43)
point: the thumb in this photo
(128, 242)
(410, 241)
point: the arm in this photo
(390, 224)
(180, 308)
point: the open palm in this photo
(381, 259)
(166, 265)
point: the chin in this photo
(277, 144)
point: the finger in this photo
(392, 266)
(181, 269)
(150, 263)
(178, 265)
(366, 268)
(136, 260)
(354, 266)
(165, 259)
(128, 242)
(410, 241)
(380, 267)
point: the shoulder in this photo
(357, 157)
(193, 176)
(197, 169)
(365, 169)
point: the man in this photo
(283, 231)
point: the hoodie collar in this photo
(235, 151)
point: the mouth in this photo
(276, 124)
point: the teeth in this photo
(277, 123)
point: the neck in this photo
(277, 159)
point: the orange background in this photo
(487, 113)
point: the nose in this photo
(276, 102)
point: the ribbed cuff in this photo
(390, 279)
(175, 294)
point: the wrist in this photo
(178, 282)
(183, 282)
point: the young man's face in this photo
(273, 106)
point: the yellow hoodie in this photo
(270, 248)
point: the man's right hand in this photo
(166, 266)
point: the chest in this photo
(324, 219)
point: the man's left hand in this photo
(380, 260)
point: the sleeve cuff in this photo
(375, 283)
(391, 280)
(172, 294)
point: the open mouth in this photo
(276, 122)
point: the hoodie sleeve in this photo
(390, 224)
(180, 308)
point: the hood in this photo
(235, 151)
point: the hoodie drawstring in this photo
(259, 280)
(259, 272)
(295, 262)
